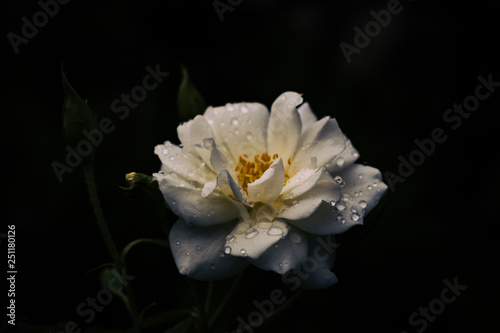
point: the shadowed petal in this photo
(199, 252)
(286, 254)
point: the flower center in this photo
(248, 171)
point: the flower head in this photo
(253, 187)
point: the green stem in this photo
(94, 199)
(224, 302)
(106, 235)
(209, 296)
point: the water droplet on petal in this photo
(369, 187)
(244, 109)
(363, 204)
(230, 238)
(264, 224)
(241, 228)
(275, 231)
(243, 252)
(251, 233)
(340, 182)
(229, 107)
(177, 243)
(339, 217)
(295, 237)
(234, 122)
(355, 217)
(340, 161)
(188, 253)
(332, 203)
(341, 206)
(165, 151)
(360, 176)
(227, 250)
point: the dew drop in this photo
(295, 237)
(234, 122)
(251, 233)
(369, 187)
(354, 210)
(275, 231)
(229, 107)
(241, 228)
(244, 109)
(363, 204)
(332, 203)
(355, 217)
(340, 182)
(360, 176)
(172, 158)
(263, 224)
(188, 253)
(165, 151)
(341, 206)
(227, 250)
(340, 161)
(243, 252)
(177, 243)
(230, 238)
(339, 217)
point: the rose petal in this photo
(285, 255)
(308, 197)
(307, 116)
(187, 203)
(318, 145)
(284, 125)
(199, 251)
(268, 187)
(359, 196)
(347, 157)
(183, 163)
(247, 240)
(240, 128)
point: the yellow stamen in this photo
(248, 172)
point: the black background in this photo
(439, 224)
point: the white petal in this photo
(307, 117)
(318, 145)
(187, 203)
(362, 190)
(199, 252)
(347, 157)
(314, 273)
(284, 126)
(243, 241)
(184, 164)
(194, 131)
(268, 187)
(240, 128)
(285, 255)
(308, 197)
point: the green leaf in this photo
(76, 114)
(190, 103)
(181, 327)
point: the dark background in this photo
(438, 224)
